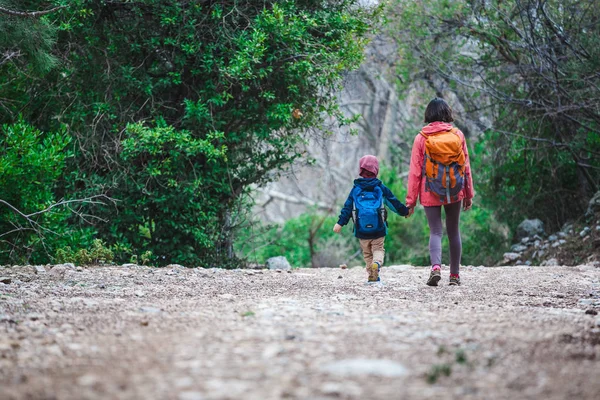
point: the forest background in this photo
(145, 131)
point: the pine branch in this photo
(29, 14)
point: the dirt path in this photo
(142, 333)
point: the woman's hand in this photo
(411, 211)
(467, 204)
(337, 228)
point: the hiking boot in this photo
(454, 281)
(374, 272)
(434, 277)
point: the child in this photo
(365, 204)
(440, 175)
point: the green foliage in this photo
(98, 253)
(170, 209)
(26, 43)
(177, 108)
(30, 163)
(437, 371)
(293, 239)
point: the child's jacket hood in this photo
(436, 127)
(367, 183)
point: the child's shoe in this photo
(434, 276)
(454, 280)
(374, 272)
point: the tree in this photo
(177, 108)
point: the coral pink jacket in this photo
(416, 179)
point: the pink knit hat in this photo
(368, 167)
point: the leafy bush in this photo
(30, 163)
(98, 253)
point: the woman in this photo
(440, 175)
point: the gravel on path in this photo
(193, 334)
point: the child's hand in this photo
(467, 204)
(411, 211)
(337, 228)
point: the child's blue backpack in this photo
(368, 211)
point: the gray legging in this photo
(434, 218)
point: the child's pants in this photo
(372, 250)
(434, 218)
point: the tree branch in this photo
(29, 14)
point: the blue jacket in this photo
(389, 200)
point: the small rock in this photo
(567, 227)
(511, 256)
(176, 266)
(250, 273)
(591, 311)
(541, 253)
(561, 234)
(278, 270)
(518, 248)
(552, 238)
(556, 244)
(79, 269)
(58, 271)
(129, 265)
(88, 380)
(586, 302)
(6, 280)
(525, 240)
(191, 396)
(552, 262)
(584, 232)
(101, 286)
(144, 322)
(530, 227)
(150, 310)
(39, 269)
(343, 266)
(340, 277)
(362, 367)
(69, 265)
(278, 263)
(139, 293)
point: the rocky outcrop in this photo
(574, 244)
(530, 228)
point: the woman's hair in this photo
(438, 110)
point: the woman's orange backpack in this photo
(444, 164)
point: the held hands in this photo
(337, 228)
(467, 204)
(411, 211)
